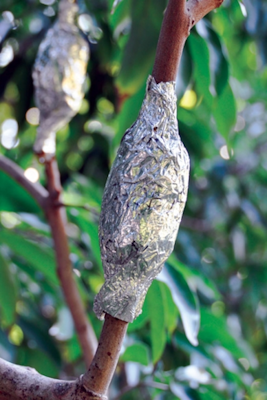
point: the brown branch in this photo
(179, 18)
(37, 191)
(21, 383)
(97, 379)
(199, 8)
(57, 221)
(24, 383)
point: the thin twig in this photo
(179, 18)
(97, 379)
(57, 220)
(173, 34)
(36, 190)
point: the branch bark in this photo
(37, 191)
(57, 220)
(98, 377)
(180, 17)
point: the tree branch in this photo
(37, 191)
(97, 379)
(21, 383)
(199, 8)
(24, 383)
(179, 18)
(57, 221)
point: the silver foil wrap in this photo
(58, 75)
(143, 203)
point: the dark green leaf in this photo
(224, 112)
(201, 72)
(156, 316)
(139, 52)
(14, 197)
(8, 293)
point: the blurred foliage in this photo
(218, 267)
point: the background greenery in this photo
(218, 267)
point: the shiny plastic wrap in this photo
(59, 74)
(143, 203)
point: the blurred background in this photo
(219, 273)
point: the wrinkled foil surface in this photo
(143, 203)
(58, 75)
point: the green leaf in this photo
(184, 299)
(37, 330)
(38, 360)
(201, 73)
(196, 278)
(184, 72)
(209, 394)
(224, 112)
(8, 293)
(14, 197)
(156, 314)
(214, 330)
(181, 342)
(183, 392)
(73, 350)
(119, 11)
(218, 63)
(40, 259)
(141, 320)
(170, 308)
(139, 53)
(128, 114)
(87, 226)
(137, 352)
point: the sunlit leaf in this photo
(137, 352)
(184, 299)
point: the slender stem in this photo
(37, 191)
(179, 18)
(57, 220)
(97, 379)
(173, 34)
